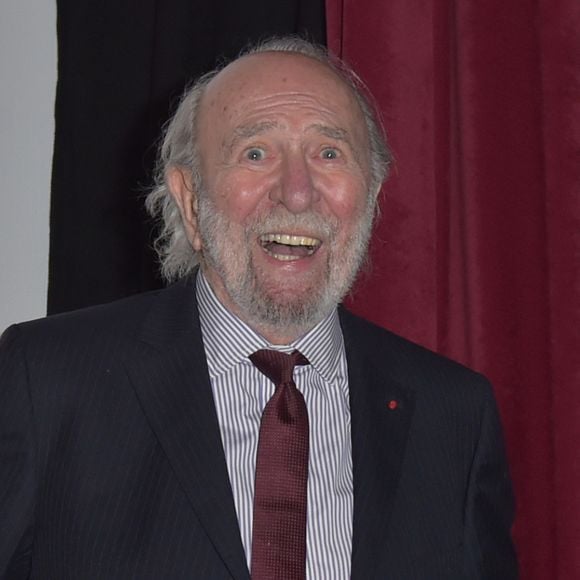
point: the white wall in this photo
(27, 92)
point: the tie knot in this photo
(277, 366)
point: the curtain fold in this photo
(477, 251)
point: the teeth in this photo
(284, 257)
(289, 240)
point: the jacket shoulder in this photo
(118, 317)
(122, 318)
(406, 361)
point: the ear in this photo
(180, 185)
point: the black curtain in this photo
(122, 66)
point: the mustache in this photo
(280, 220)
(276, 220)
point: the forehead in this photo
(276, 75)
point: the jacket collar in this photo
(171, 379)
(381, 412)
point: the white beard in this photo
(227, 250)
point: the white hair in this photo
(179, 148)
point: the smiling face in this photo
(285, 214)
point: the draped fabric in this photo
(477, 251)
(122, 66)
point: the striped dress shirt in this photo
(241, 392)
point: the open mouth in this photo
(287, 247)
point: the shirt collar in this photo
(229, 341)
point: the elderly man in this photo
(238, 422)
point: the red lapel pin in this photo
(392, 404)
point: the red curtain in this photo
(477, 254)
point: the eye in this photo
(255, 154)
(330, 153)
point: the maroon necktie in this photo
(279, 528)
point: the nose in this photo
(295, 189)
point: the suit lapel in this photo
(381, 412)
(170, 376)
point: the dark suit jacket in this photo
(112, 465)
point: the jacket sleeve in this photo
(489, 505)
(17, 461)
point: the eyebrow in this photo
(249, 131)
(244, 132)
(331, 132)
